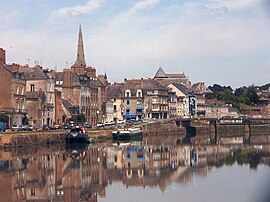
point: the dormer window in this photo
(139, 93)
(127, 93)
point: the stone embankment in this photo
(26, 139)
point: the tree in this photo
(80, 118)
(25, 120)
(3, 118)
(252, 94)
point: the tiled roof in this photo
(182, 76)
(182, 88)
(33, 73)
(151, 84)
(160, 73)
(59, 76)
(114, 91)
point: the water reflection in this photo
(82, 172)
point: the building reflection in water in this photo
(82, 173)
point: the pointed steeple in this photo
(160, 73)
(80, 62)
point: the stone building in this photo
(39, 79)
(182, 94)
(13, 92)
(80, 87)
(60, 116)
(138, 98)
(166, 79)
(36, 106)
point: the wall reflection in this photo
(82, 172)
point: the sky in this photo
(214, 41)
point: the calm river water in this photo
(136, 172)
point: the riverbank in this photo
(192, 134)
(26, 139)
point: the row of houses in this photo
(161, 97)
(47, 97)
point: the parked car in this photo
(56, 127)
(3, 126)
(25, 128)
(87, 126)
(99, 125)
(16, 127)
(46, 127)
(66, 126)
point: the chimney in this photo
(2, 57)
(15, 67)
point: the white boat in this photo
(127, 134)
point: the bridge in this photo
(245, 129)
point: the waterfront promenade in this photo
(187, 131)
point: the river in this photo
(136, 171)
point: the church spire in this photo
(80, 62)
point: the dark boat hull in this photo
(127, 137)
(80, 138)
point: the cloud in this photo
(232, 4)
(145, 4)
(79, 9)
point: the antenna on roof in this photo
(66, 64)
(28, 61)
(55, 67)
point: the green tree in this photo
(252, 94)
(25, 120)
(3, 118)
(80, 118)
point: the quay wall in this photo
(163, 129)
(26, 139)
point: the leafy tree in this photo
(3, 118)
(252, 94)
(78, 118)
(25, 120)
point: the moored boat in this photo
(127, 134)
(77, 135)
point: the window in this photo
(128, 102)
(33, 192)
(32, 87)
(127, 93)
(17, 90)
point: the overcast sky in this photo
(215, 41)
